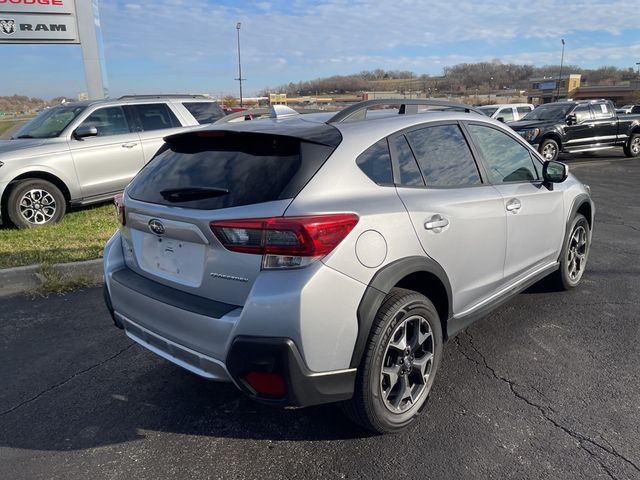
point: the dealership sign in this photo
(38, 21)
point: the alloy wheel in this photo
(549, 151)
(577, 253)
(635, 146)
(37, 206)
(407, 364)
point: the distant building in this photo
(545, 89)
(618, 94)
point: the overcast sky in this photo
(154, 46)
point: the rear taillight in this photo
(120, 213)
(285, 242)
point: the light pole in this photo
(490, 85)
(239, 79)
(560, 76)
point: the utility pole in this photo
(490, 85)
(560, 76)
(239, 79)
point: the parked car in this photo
(510, 112)
(81, 153)
(579, 126)
(626, 109)
(328, 257)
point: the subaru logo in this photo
(156, 226)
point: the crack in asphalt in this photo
(621, 224)
(582, 439)
(60, 384)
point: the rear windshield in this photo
(213, 170)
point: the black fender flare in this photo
(381, 284)
(578, 201)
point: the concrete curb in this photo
(22, 279)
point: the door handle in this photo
(129, 145)
(591, 125)
(513, 205)
(436, 223)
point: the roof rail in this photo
(164, 95)
(358, 111)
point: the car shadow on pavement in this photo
(127, 402)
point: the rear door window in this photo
(410, 175)
(601, 110)
(204, 112)
(155, 116)
(444, 157)
(213, 170)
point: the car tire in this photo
(632, 149)
(399, 363)
(575, 254)
(549, 150)
(35, 203)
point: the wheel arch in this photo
(581, 204)
(553, 136)
(40, 175)
(420, 274)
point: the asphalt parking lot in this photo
(546, 387)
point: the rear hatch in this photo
(205, 176)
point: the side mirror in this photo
(572, 119)
(554, 172)
(85, 131)
(500, 119)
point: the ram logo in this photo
(7, 26)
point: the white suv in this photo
(85, 152)
(508, 112)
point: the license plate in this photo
(176, 259)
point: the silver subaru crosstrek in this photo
(326, 258)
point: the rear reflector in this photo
(120, 212)
(295, 237)
(271, 384)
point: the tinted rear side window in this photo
(156, 116)
(409, 172)
(251, 167)
(444, 156)
(204, 112)
(375, 162)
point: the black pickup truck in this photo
(579, 126)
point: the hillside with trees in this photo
(22, 105)
(464, 77)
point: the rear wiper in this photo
(192, 193)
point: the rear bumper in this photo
(281, 356)
(249, 354)
(207, 338)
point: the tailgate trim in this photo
(176, 298)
